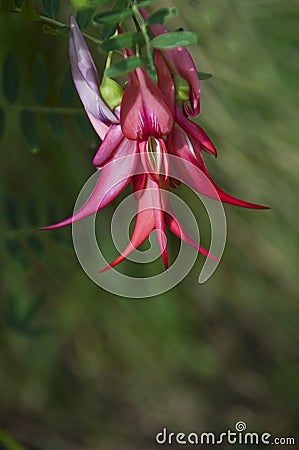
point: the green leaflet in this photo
(122, 41)
(107, 31)
(125, 66)
(55, 31)
(84, 16)
(49, 30)
(115, 16)
(160, 16)
(51, 7)
(28, 11)
(174, 39)
(10, 77)
(29, 128)
(89, 3)
(40, 80)
(144, 2)
(204, 75)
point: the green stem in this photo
(59, 24)
(143, 29)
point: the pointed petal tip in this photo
(165, 262)
(204, 252)
(72, 20)
(244, 204)
(62, 224)
(261, 207)
(210, 149)
(114, 263)
(106, 268)
(230, 200)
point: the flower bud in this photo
(111, 92)
(182, 88)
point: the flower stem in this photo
(59, 24)
(143, 29)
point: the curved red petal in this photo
(145, 224)
(100, 128)
(195, 131)
(150, 216)
(178, 145)
(110, 143)
(176, 228)
(159, 218)
(113, 179)
(165, 80)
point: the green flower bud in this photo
(182, 88)
(111, 92)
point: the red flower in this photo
(141, 134)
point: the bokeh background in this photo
(83, 369)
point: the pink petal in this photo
(145, 224)
(165, 80)
(195, 131)
(149, 217)
(144, 112)
(111, 142)
(100, 128)
(189, 170)
(113, 179)
(85, 76)
(183, 64)
(138, 182)
(227, 198)
(175, 227)
(159, 218)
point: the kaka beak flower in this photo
(140, 134)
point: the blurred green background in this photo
(83, 369)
